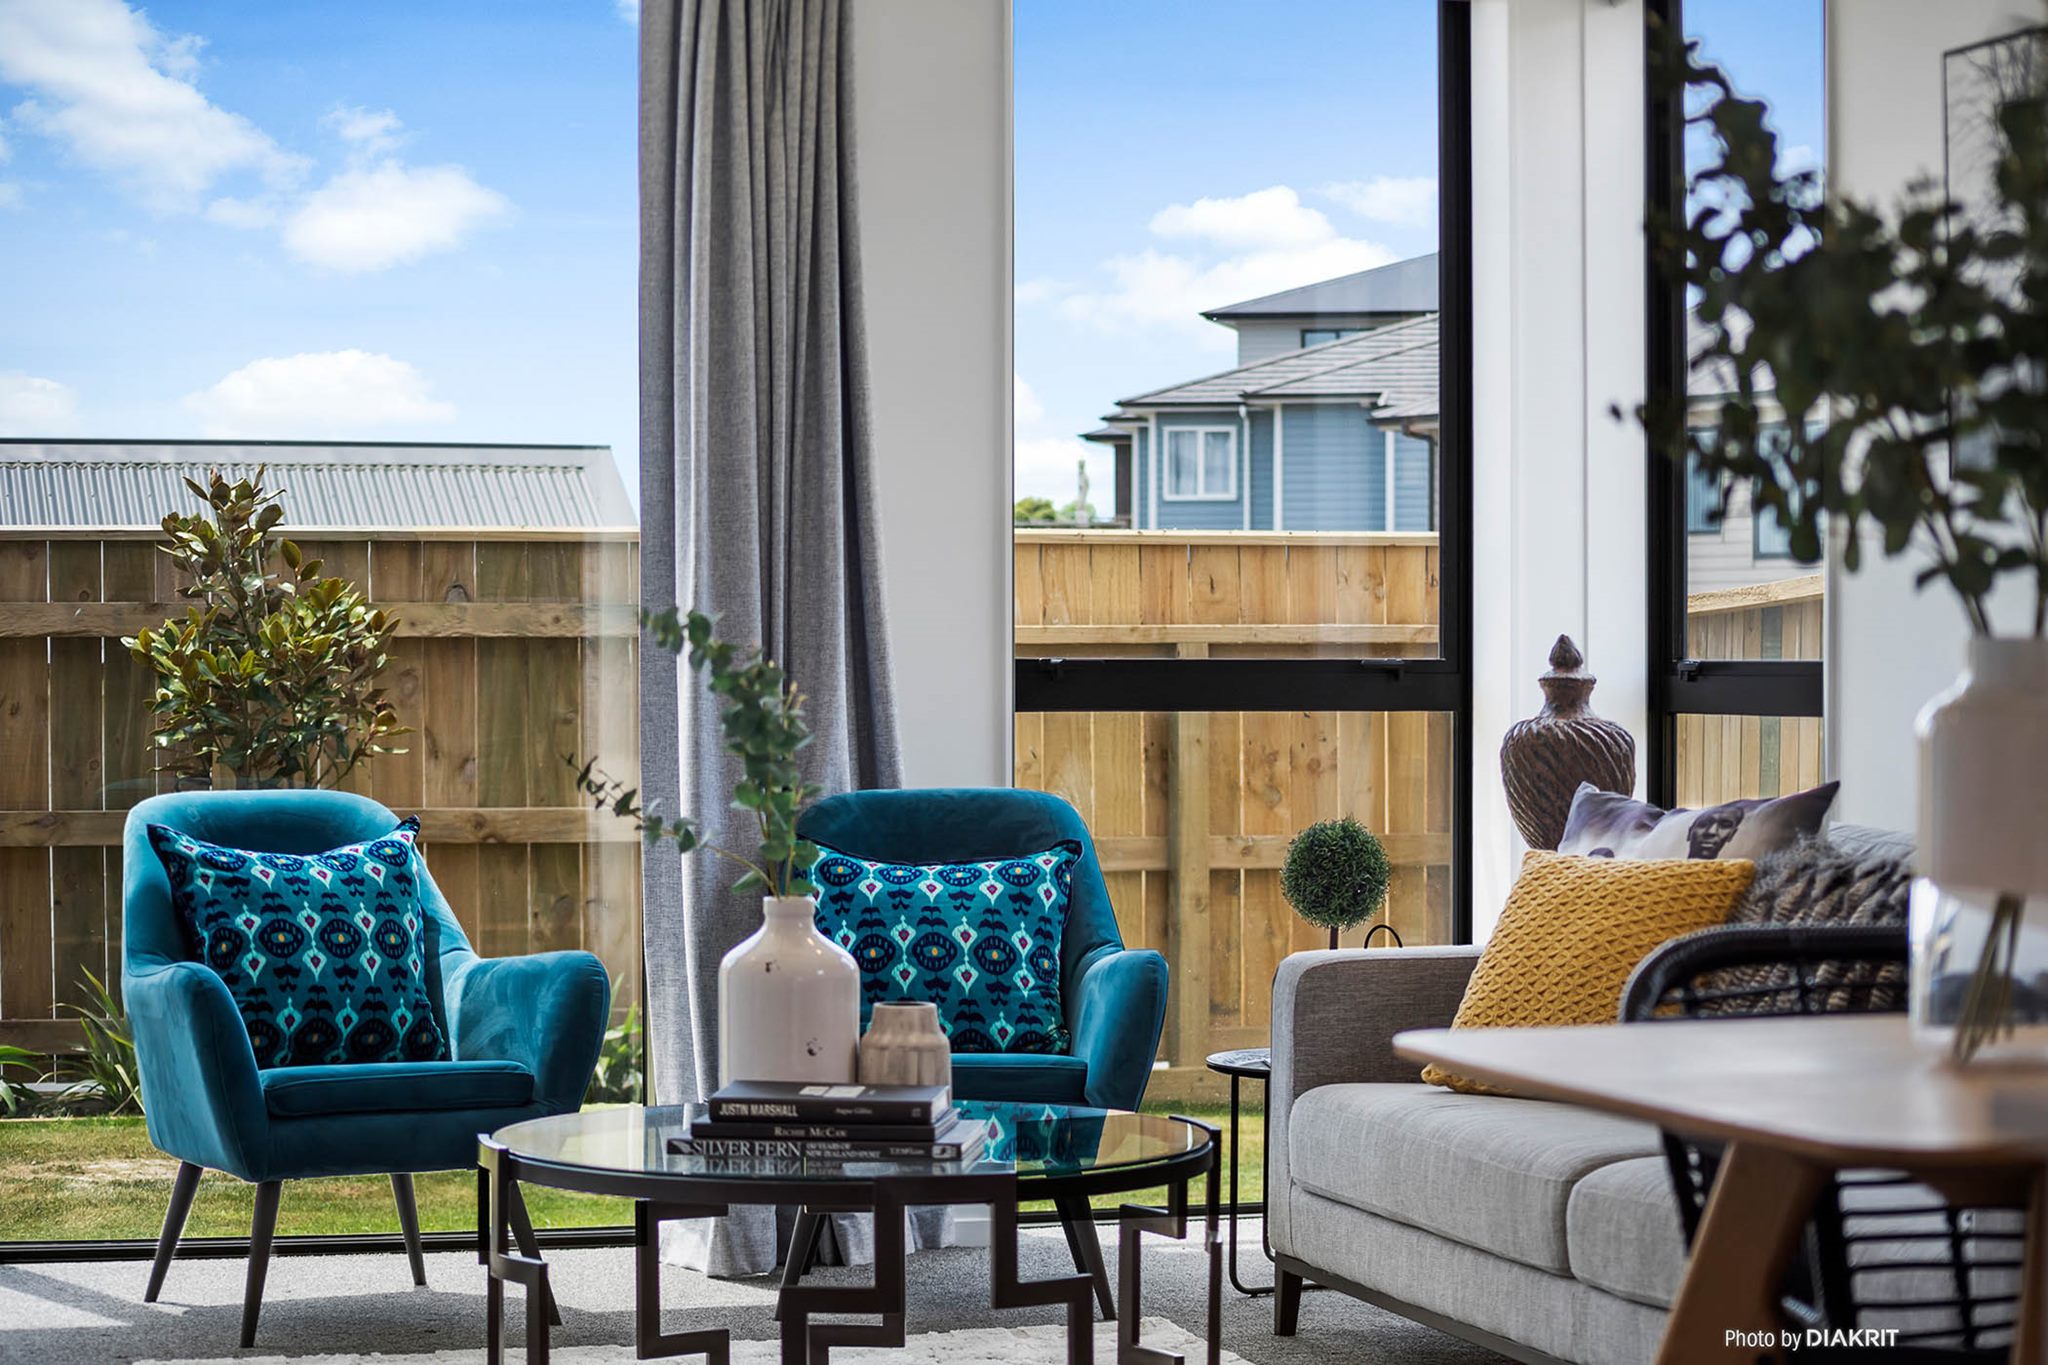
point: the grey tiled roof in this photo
(1399, 358)
(1403, 287)
(109, 484)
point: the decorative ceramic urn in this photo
(904, 1045)
(788, 1001)
(1545, 758)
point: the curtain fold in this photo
(756, 488)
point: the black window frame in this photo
(1440, 685)
(1679, 685)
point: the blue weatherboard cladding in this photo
(1262, 471)
(980, 940)
(1333, 469)
(1412, 492)
(323, 954)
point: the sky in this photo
(389, 220)
(378, 219)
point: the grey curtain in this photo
(755, 469)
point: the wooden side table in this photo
(1795, 1100)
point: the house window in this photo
(1316, 336)
(1702, 501)
(1201, 464)
(1772, 541)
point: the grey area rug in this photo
(973, 1346)
(322, 1308)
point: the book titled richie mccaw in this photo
(962, 1140)
(801, 1102)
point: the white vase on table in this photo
(1983, 788)
(788, 1001)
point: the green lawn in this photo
(90, 1178)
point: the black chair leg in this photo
(409, 1224)
(183, 1186)
(529, 1245)
(260, 1229)
(1077, 1220)
(1286, 1304)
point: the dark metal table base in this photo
(804, 1342)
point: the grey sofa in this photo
(1543, 1231)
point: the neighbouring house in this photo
(1327, 423)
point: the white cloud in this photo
(322, 393)
(1024, 404)
(629, 10)
(118, 94)
(1228, 250)
(1268, 219)
(373, 217)
(370, 130)
(35, 407)
(1407, 200)
(10, 195)
(1048, 467)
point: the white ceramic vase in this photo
(788, 1001)
(904, 1045)
(1983, 786)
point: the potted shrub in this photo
(1336, 875)
(271, 675)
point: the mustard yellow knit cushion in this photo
(1572, 931)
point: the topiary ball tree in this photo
(1336, 875)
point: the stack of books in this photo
(790, 1119)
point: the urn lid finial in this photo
(1567, 685)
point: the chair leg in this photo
(529, 1245)
(1077, 1220)
(1286, 1304)
(409, 1224)
(183, 1186)
(260, 1229)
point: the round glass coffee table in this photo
(1060, 1153)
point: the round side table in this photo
(1243, 1064)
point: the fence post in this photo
(1187, 870)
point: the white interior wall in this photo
(1891, 648)
(932, 119)
(1558, 305)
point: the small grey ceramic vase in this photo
(1545, 758)
(904, 1045)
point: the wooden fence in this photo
(1721, 758)
(513, 650)
(1192, 812)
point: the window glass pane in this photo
(1262, 777)
(1725, 758)
(511, 569)
(1218, 459)
(1738, 561)
(1183, 471)
(1268, 267)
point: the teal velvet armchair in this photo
(524, 1035)
(1115, 997)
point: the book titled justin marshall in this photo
(799, 1102)
(960, 1140)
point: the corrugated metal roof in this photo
(109, 484)
(1403, 287)
(1233, 386)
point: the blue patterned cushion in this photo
(325, 954)
(979, 940)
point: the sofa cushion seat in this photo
(393, 1088)
(1489, 1171)
(1623, 1232)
